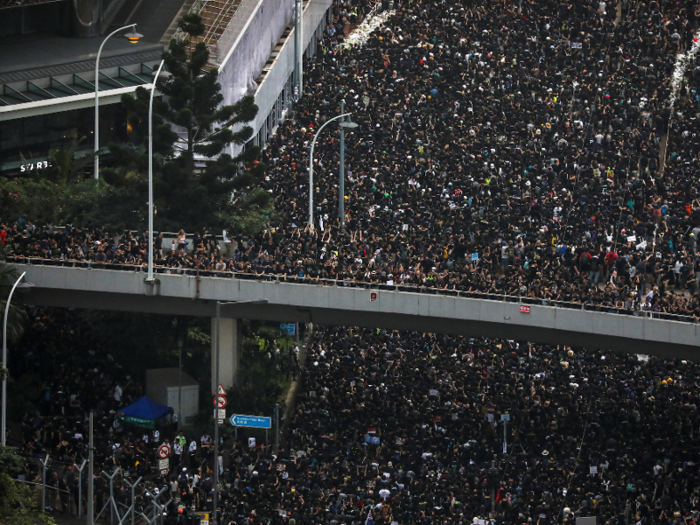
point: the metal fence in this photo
(62, 488)
(59, 486)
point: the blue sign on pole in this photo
(238, 420)
(287, 328)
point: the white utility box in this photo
(165, 387)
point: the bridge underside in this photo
(368, 319)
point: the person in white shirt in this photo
(117, 393)
(193, 452)
(174, 488)
(177, 451)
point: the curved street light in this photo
(4, 358)
(150, 279)
(350, 125)
(133, 37)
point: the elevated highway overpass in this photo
(334, 303)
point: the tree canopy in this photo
(197, 183)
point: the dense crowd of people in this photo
(71, 376)
(514, 149)
(409, 427)
(510, 149)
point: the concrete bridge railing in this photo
(336, 304)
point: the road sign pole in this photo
(216, 419)
(91, 475)
(277, 427)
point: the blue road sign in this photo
(251, 421)
(287, 328)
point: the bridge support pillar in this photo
(229, 351)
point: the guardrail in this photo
(426, 290)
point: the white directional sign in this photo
(238, 420)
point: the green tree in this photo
(65, 165)
(221, 192)
(18, 502)
(80, 202)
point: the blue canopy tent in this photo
(143, 413)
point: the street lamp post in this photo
(344, 125)
(150, 278)
(215, 502)
(133, 37)
(298, 51)
(311, 162)
(493, 478)
(217, 347)
(180, 344)
(4, 358)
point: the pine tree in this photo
(190, 194)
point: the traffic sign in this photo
(287, 328)
(220, 401)
(238, 420)
(221, 390)
(164, 451)
(163, 465)
(220, 414)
